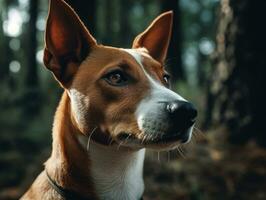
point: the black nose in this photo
(182, 111)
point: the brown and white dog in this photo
(116, 103)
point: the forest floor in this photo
(206, 169)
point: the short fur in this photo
(90, 154)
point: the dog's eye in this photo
(116, 78)
(166, 79)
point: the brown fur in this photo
(64, 164)
(110, 109)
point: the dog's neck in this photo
(68, 164)
(107, 172)
(116, 172)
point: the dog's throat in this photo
(116, 173)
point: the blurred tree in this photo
(86, 10)
(32, 75)
(109, 23)
(174, 61)
(4, 46)
(126, 29)
(236, 89)
(206, 34)
(31, 98)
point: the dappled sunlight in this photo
(13, 24)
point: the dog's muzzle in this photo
(166, 123)
(174, 124)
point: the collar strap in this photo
(66, 194)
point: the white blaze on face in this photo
(149, 109)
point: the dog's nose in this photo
(182, 111)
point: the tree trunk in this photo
(174, 61)
(31, 98)
(86, 10)
(4, 48)
(126, 33)
(5, 59)
(32, 74)
(109, 23)
(236, 90)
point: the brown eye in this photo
(166, 79)
(116, 78)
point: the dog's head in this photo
(123, 93)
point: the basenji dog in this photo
(116, 103)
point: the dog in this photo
(116, 103)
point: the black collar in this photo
(66, 193)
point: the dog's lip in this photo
(125, 136)
(181, 136)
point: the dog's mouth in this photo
(182, 137)
(154, 141)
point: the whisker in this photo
(183, 150)
(158, 156)
(189, 146)
(180, 152)
(129, 135)
(126, 140)
(193, 139)
(197, 130)
(199, 135)
(195, 134)
(89, 139)
(143, 139)
(110, 142)
(119, 145)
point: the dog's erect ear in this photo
(67, 41)
(156, 37)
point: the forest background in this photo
(217, 58)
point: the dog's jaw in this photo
(117, 173)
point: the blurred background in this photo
(217, 58)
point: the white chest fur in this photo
(117, 173)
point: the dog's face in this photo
(121, 95)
